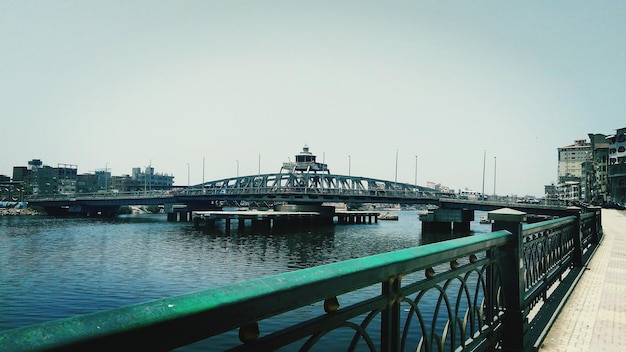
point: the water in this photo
(52, 268)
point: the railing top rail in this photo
(545, 225)
(247, 301)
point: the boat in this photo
(388, 216)
(485, 220)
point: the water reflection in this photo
(57, 267)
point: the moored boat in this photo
(388, 216)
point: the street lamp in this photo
(237, 168)
(494, 176)
(106, 178)
(396, 179)
(484, 159)
(188, 169)
(349, 164)
(416, 170)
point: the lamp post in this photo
(349, 165)
(416, 170)
(484, 159)
(396, 178)
(494, 176)
(150, 174)
(237, 168)
(188, 169)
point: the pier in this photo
(269, 219)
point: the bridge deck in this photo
(594, 318)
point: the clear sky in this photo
(226, 84)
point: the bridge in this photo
(264, 190)
(303, 191)
(492, 291)
(305, 184)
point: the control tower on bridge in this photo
(305, 163)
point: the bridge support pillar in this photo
(436, 227)
(442, 220)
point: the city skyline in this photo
(375, 90)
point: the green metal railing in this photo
(464, 294)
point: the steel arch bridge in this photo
(296, 187)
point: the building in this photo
(571, 168)
(616, 168)
(40, 179)
(571, 159)
(141, 181)
(596, 175)
(593, 172)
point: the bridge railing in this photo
(102, 195)
(464, 294)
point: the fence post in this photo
(512, 271)
(577, 255)
(597, 223)
(390, 319)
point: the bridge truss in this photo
(297, 187)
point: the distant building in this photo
(41, 179)
(571, 159)
(596, 176)
(571, 169)
(141, 181)
(617, 165)
(593, 172)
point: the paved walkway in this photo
(594, 318)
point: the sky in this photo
(471, 94)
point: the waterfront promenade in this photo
(594, 318)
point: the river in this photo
(52, 268)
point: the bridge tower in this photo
(305, 163)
